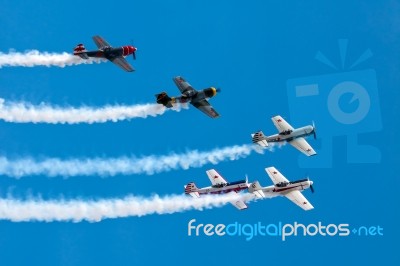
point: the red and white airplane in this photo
(115, 55)
(219, 186)
(282, 187)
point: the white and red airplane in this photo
(219, 186)
(114, 54)
(282, 187)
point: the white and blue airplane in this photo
(287, 133)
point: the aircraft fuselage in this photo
(290, 135)
(224, 188)
(286, 187)
(192, 96)
(111, 52)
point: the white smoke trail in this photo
(21, 112)
(123, 165)
(35, 58)
(97, 210)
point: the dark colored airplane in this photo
(188, 94)
(115, 55)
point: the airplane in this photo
(219, 186)
(287, 133)
(115, 55)
(282, 187)
(188, 94)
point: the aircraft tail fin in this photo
(256, 189)
(259, 138)
(192, 190)
(80, 51)
(164, 99)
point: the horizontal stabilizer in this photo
(80, 51)
(256, 189)
(164, 99)
(259, 138)
(82, 55)
(195, 194)
(192, 189)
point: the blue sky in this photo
(254, 51)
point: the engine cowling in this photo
(210, 92)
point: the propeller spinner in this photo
(134, 50)
(314, 130)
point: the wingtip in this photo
(272, 168)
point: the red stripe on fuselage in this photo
(224, 191)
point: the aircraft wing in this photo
(100, 42)
(281, 123)
(182, 84)
(215, 177)
(275, 175)
(122, 63)
(205, 107)
(297, 198)
(302, 145)
(239, 204)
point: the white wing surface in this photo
(302, 145)
(281, 123)
(275, 175)
(297, 198)
(215, 177)
(239, 204)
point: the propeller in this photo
(218, 90)
(314, 130)
(311, 186)
(134, 51)
(247, 179)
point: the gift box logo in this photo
(344, 103)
